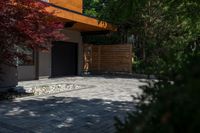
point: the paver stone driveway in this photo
(90, 109)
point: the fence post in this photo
(99, 58)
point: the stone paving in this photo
(90, 109)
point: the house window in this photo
(28, 56)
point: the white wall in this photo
(26, 72)
(45, 57)
(45, 64)
(29, 72)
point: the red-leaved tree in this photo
(25, 23)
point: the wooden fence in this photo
(107, 58)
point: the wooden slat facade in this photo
(82, 23)
(108, 58)
(72, 11)
(74, 5)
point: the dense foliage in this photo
(162, 29)
(169, 107)
(166, 37)
(93, 7)
(25, 23)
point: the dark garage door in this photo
(64, 59)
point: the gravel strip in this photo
(50, 89)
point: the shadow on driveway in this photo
(61, 115)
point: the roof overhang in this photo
(80, 22)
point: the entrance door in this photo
(64, 59)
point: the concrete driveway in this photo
(90, 109)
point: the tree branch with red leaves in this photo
(26, 23)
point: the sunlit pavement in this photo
(88, 110)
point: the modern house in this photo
(65, 58)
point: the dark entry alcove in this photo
(64, 59)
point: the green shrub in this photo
(168, 107)
(138, 66)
